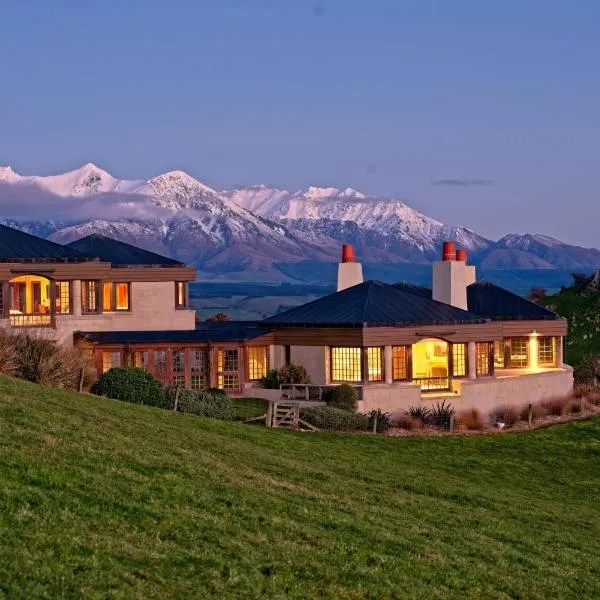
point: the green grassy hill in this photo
(101, 499)
(583, 315)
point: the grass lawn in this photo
(102, 499)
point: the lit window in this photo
(346, 364)
(499, 354)
(63, 297)
(399, 363)
(110, 360)
(375, 364)
(89, 296)
(483, 358)
(459, 360)
(257, 362)
(228, 365)
(519, 352)
(115, 296)
(140, 359)
(180, 294)
(546, 352)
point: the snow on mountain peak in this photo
(316, 193)
(7, 174)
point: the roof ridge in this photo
(368, 299)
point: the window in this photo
(546, 352)
(179, 368)
(228, 364)
(180, 294)
(459, 360)
(499, 354)
(89, 297)
(483, 358)
(346, 364)
(140, 359)
(115, 296)
(63, 297)
(257, 362)
(399, 371)
(519, 352)
(198, 363)
(110, 360)
(375, 364)
(160, 363)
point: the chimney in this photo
(452, 276)
(349, 271)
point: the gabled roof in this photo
(120, 254)
(217, 331)
(373, 304)
(18, 246)
(490, 300)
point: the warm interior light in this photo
(533, 351)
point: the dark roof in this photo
(18, 246)
(373, 304)
(218, 331)
(413, 288)
(491, 301)
(119, 253)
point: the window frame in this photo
(552, 340)
(86, 285)
(464, 362)
(512, 362)
(400, 359)
(377, 354)
(332, 363)
(113, 296)
(59, 296)
(181, 292)
(253, 374)
(224, 370)
(483, 359)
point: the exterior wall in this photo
(315, 359)
(152, 308)
(276, 356)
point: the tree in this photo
(535, 294)
(220, 316)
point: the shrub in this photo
(589, 369)
(383, 420)
(217, 392)
(205, 404)
(555, 406)
(327, 395)
(271, 381)
(508, 415)
(441, 415)
(407, 422)
(131, 385)
(335, 419)
(293, 374)
(344, 397)
(421, 413)
(471, 419)
(536, 412)
(8, 352)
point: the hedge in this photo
(131, 385)
(336, 419)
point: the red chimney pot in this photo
(448, 251)
(461, 255)
(348, 253)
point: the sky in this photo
(483, 114)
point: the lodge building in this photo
(467, 340)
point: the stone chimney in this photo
(452, 276)
(349, 271)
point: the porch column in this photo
(534, 347)
(273, 363)
(5, 299)
(388, 366)
(76, 297)
(560, 358)
(472, 356)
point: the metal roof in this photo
(120, 253)
(496, 303)
(218, 331)
(18, 246)
(373, 304)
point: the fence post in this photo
(81, 376)
(375, 422)
(530, 415)
(176, 401)
(451, 422)
(269, 422)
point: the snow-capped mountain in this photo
(254, 229)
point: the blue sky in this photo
(498, 102)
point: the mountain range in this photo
(257, 231)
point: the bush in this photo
(536, 412)
(384, 420)
(8, 352)
(555, 407)
(335, 419)
(203, 404)
(293, 374)
(217, 392)
(344, 397)
(441, 415)
(271, 381)
(131, 385)
(421, 413)
(407, 422)
(471, 419)
(508, 415)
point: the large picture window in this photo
(115, 296)
(459, 360)
(375, 363)
(547, 351)
(519, 352)
(483, 358)
(399, 370)
(346, 364)
(257, 362)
